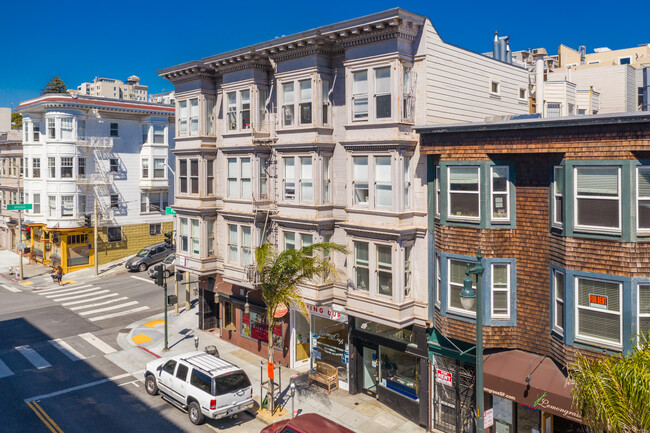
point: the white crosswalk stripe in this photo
(98, 304)
(146, 280)
(32, 356)
(11, 289)
(99, 344)
(74, 292)
(70, 298)
(66, 349)
(111, 295)
(62, 290)
(113, 307)
(122, 313)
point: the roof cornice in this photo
(103, 104)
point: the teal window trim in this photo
(485, 195)
(431, 232)
(636, 282)
(555, 331)
(558, 227)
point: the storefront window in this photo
(55, 255)
(502, 415)
(528, 420)
(331, 344)
(399, 372)
(402, 335)
(78, 255)
(302, 338)
(254, 327)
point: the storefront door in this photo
(370, 369)
(300, 340)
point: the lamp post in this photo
(469, 298)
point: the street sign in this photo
(21, 245)
(488, 418)
(22, 206)
(168, 211)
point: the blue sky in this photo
(78, 40)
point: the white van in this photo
(201, 383)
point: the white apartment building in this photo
(308, 138)
(113, 88)
(83, 150)
(11, 186)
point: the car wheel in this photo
(166, 274)
(142, 267)
(150, 385)
(194, 412)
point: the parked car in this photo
(306, 423)
(168, 267)
(201, 383)
(148, 256)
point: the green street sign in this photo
(23, 206)
(168, 210)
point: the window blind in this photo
(597, 181)
(643, 182)
(360, 169)
(382, 80)
(465, 176)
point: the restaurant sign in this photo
(328, 313)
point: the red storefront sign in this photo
(444, 377)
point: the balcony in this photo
(95, 179)
(99, 143)
(158, 183)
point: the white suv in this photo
(201, 383)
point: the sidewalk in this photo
(359, 412)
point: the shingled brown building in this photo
(561, 211)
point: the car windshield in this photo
(142, 253)
(169, 259)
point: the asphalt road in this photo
(61, 369)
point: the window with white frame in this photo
(289, 178)
(36, 209)
(558, 195)
(245, 108)
(81, 205)
(289, 240)
(553, 109)
(159, 134)
(66, 128)
(325, 101)
(51, 128)
(438, 279)
(239, 177)
(456, 271)
(36, 132)
(153, 201)
(36, 168)
(383, 182)
(66, 167)
(288, 99)
(210, 228)
(326, 179)
(159, 168)
(182, 175)
(194, 236)
(305, 102)
(306, 179)
(408, 97)
(261, 110)
(115, 201)
(114, 165)
(558, 301)
(598, 310)
(360, 180)
(500, 187)
(522, 93)
(145, 168)
(643, 198)
(360, 95)
(51, 204)
(182, 118)
(463, 199)
(382, 93)
(495, 88)
(210, 176)
(145, 134)
(500, 291)
(194, 116)
(361, 266)
(194, 176)
(644, 309)
(263, 179)
(597, 202)
(408, 274)
(231, 110)
(407, 182)
(155, 229)
(384, 270)
(240, 244)
(81, 167)
(438, 203)
(81, 129)
(184, 232)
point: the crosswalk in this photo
(46, 354)
(92, 302)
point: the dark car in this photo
(148, 256)
(306, 423)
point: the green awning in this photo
(451, 348)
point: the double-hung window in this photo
(114, 165)
(81, 167)
(51, 205)
(51, 166)
(383, 183)
(239, 177)
(231, 110)
(598, 315)
(240, 244)
(51, 129)
(182, 175)
(456, 273)
(210, 227)
(305, 102)
(463, 193)
(159, 168)
(598, 198)
(384, 270)
(361, 266)
(289, 178)
(360, 180)
(194, 236)
(210, 176)
(36, 168)
(36, 132)
(558, 301)
(115, 201)
(194, 116)
(182, 118)
(325, 101)
(500, 291)
(194, 176)
(114, 130)
(500, 193)
(263, 179)
(407, 182)
(644, 309)
(66, 128)
(288, 110)
(145, 134)
(37, 204)
(209, 116)
(184, 235)
(67, 205)
(289, 241)
(438, 203)
(382, 93)
(245, 108)
(438, 279)
(360, 95)
(643, 198)
(66, 167)
(145, 168)
(245, 177)
(326, 179)
(159, 134)
(558, 195)
(233, 190)
(306, 180)
(407, 271)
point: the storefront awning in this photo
(505, 373)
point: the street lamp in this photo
(469, 298)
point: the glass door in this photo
(370, 369)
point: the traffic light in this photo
(179, 275)
(87, 220)
(28, 233)
(159, 275)
(168, 239)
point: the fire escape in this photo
(100, 178)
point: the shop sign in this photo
(444, 377)
(327, 313)
(488, 418)
(598, 301)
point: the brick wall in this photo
(134, 238)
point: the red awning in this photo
(505, 373)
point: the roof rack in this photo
(208, 363)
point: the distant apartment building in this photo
(163, 98)
(115, 89)
(308, 138)
(11, 171)
(81, 152)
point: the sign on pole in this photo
(488, 418)
(168, 211)
(22, 206)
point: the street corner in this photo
(141, 339)
(153, 323)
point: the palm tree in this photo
(613, 393)
(280, 274)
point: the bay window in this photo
(360, 95)
(145, 134)
(81, 129)
(384, 270)
(643, 198)
(500, 187)
(407, 182)
(81, 167)
(66, 167)
(158, 168)
(36, 168)
(36, 132)
(456, 271)
(500, 291)
(289, 241)
(184, 232)
(51, 128)
(382, 93)
(210, 226)
(289, 178)
(325, 100)
(194, 116)
(305, 102)
(66, 128)
(209, 117)
(597, 197)
(231, 110)
(182, 175)
(407, 271)
(182, 118)
(159, 134)
(37, 204)
(598, 310)
(360, 180)
(558, 301)
(245, 171)
(558, 195)
(287, 104)
(245, 108)
(232, 178)
(51, 205)
(383, 184)
(145, 168)
(361, 266)
(194, 176)
(210, 176)
(194, 237)
(326, 179)
(463, 193)
(67, 205)
(306, 180)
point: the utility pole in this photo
(176, 293)
(95, 241)
(20, 241)
(187, 292)
(166, 348)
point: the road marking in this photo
(4, 370)
(11, 289)
(143, 279)
(66, 349)
(45, 418)
(109, 316)
(113, 307)
(154, 323)
(26, 283)
(74, 291)
(32, 356)
(49, 291)
(90, 300)
(97, 304)
(141, 338)
(68, 298)
(137, 374)
(68, 282)
(99, 344)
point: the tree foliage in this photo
(280, 274)
(16, 120)
(613, 393)
(56, 85)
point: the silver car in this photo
(148, 256)
(168, 267)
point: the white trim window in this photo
(598, 311)
(361, 266)
(209, 168)
(194, 237)
(558, 301)
(288, 108)
(67, 165)
(438, 279)
(360, 189)
(438, 203)
(372, 181)
(184, 235)
(194, 176)
(643, 198)
(463, 193)
(240, 244)
(159, 134)
(553, 109)
(182, 118)
(644, 309)
(245, 109)
(383, 182)
(36, 210)
(495, 88)
(291, 242)
(378, 80)
(289, 164)
(456, 277)
(263, 178)
(384, 269)
(325, 102)
(51, 204)
(211, 245)
(305, 102)
(306, 179)
(407, 182)
(558, 195)
(500, 291)
(298, 180)
(36, 132)
(231, 111)
(360, 95)
(66, 128)
(500, 189)
(182, 176)
(51, 128)
(36, 168)
(153, 201)
(145, 134)
(598, 198)
(159, 168)
(209, 116)
(145, 168)
(408, 270)
(67, 205)
(383, 99)
(239, 177)
(327, 178)
(194, 117)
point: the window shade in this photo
(360, 82)
(597, 181)
(360, 170)
(457, 272)
(306, 168)
(384, 257)
(382, 169)
(599, 288)
(361, 253)
(643, 182)
(465, 176)
(644, 299)
(305, 90)
(382, 80)
(500, 276)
